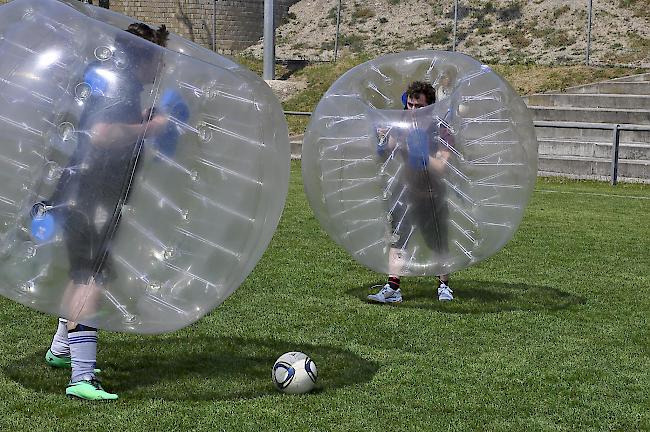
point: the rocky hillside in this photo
(495, 31)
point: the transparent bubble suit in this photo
(142, 235)
(426, 191)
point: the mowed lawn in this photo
(550, 334)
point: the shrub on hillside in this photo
(510, 12)
(561, 11)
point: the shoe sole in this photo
(384, 302)
(58, 366)
(79, 398)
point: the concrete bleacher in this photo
(586, 153)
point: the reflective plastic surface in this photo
(424, 191)
(141, 184)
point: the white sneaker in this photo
(386, 295)
(445, 293)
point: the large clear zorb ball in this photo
(140, 184)
(421, 191)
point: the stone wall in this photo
(239, 23)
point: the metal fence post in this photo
(336, 37)
(615, 144)
(453, 46)
(269, 41)
(588, 33)
(214, 26)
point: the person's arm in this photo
(387, 141)
(116, 134)
(438, 159)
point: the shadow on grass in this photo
(292, 67)
(476, 297)
(194, 368)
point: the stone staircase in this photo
(586, 153)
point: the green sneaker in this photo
(88, 390)
(62, 362)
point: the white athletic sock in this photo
(60, 346)
(83, 351)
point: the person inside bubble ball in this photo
(418, 198)
(92, 189)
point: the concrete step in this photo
(589, 167)
(560, 147)
(591, 134)
(613, 87)
(296, 145)
(604, 178)
(583, 100)
(633, 78)
(591, 115)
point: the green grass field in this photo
(550, 334)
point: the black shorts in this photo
(87, 207)
(87, 240)
(421, 211)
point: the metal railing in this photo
(615, 128)
(616, 136)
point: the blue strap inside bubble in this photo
(418, 148)
(43, 226)
(98, 84)
(173, 105)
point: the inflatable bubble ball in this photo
(420, 163)
(142, 177)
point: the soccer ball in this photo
(294, 373)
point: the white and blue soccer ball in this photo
(294, 373)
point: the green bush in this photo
(510, 12)
(484, 25)
(331, 14)
(354, 42)
(440, 36)
(363, 13)
(559, 38)
(516, 37)
(561, 11)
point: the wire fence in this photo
(606, 32)
(637, 51)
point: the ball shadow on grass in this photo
(194, 368)
(477, 297)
